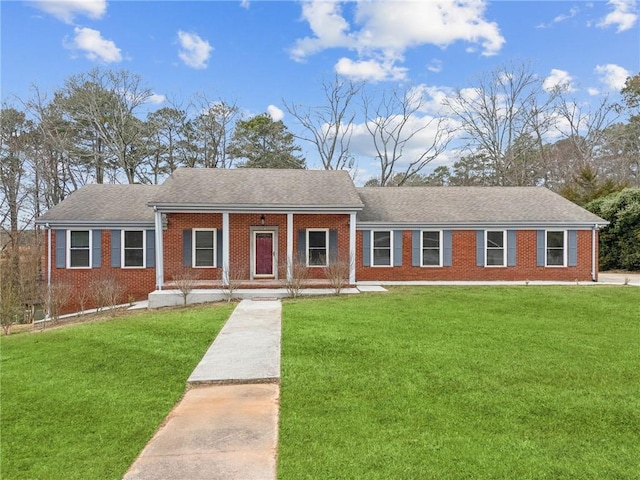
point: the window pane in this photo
(495, 257)
(382, 256)
(555, 257)
(430, 257)
(317, 257)
(431, 239)
(555, 239)
(79, 258)
(317, 239)
(382, 239)
(134, 257)
(80, 239)
(133, 240)
(204, 239)
(204, 258)
(495, 239)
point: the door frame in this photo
(274, 235)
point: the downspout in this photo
(593, 252)
(48, 227)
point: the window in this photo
(381, 251)
(555, 249)
(317, 246)
(133, 244)
(431, 251)
(204, 247)
(496, 242)
(79, 249)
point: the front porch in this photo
(207, 292)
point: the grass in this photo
(81, 402)
(457, 383)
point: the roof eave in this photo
(96, 223)
(252, 208)
(518, 225)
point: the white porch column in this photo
(48, 255)
(289, 246)
(352, 248)
(159, 251)
(225, 248)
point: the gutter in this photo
(48, 227)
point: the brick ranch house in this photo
(254, 223)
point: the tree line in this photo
(505, 129)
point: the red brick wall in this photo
(172, 243)
(332, 222)
(140, 282)
(240, 239)
(137, 282)
(464, 262)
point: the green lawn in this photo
(80, 402)
(456, 383)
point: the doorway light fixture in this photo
(262, 219)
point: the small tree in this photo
(55, 297)
(234, 279)
(337, 272)
(106, 291)
(10, 307)
(185, 281)
(299, 275)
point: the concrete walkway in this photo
(226, 426)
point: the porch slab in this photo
(173, 298)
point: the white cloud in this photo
(275, 113)
(624, 15)
(95, 47)
(244, 4)
(67, 10)
(195, 51)
(156, 98)
(573, 11)
(371, 70)
(593, 91)
(384, 30)
(558, 79)
(435, 66)
(612, 75)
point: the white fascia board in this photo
(480, 225)
(266, 208)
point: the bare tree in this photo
(337, 272)
(404, 137)
(106, 102)
(329, 127)
(234, 278)
(504, 108)
(213, 128)
(185, 281)
(295, 274)
(55, 297)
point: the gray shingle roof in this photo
(469, 206)
(105, 204)
(264, 188)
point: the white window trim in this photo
(504, 248)
(193, 247)
(69, 249)
(390, 249)
(326, 235)
(440, 248)
(565, 249)
(144, 248)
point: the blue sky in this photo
(258, 53)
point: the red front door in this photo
(264, 254)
